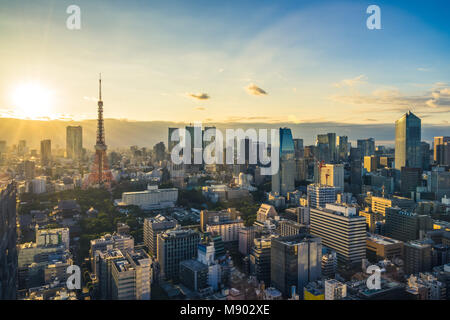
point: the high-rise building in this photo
(341, 230)
(367, 147)
(260, 259)
(27, 169)
(194, 274)
(425, 153)
(284, 180)
(320, 195)
(22, 147)
(295, 261)
(131, 276)
(405, 226)
(326, 147)
(417, 256)
(8, 249)
(298, 147)
(407, 142)
(439, 182)
(46, 152)
(175, 246)
(442, 151)
(411, 178)
(332, 175)
(329, 263)
(246, 237)
(154, 226)
(74, 142)
(342, 148)
(371, 163)
(116, 241)
(355, 170)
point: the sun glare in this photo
(32, 100)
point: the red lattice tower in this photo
(100, 174)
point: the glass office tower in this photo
(283, 181)
(407, 142)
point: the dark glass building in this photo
(408, 142)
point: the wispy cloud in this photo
(351, 82)
(199, 96)
(435, 100)
(424, 69)
(200, 108)
(255, 90)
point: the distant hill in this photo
(124, 133)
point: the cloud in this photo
(199, 96)
(424, 69)
(351, 82)
(200, 108)
(436, 100)
(439, 98)
(255, 90)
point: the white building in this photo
(229, 230)
(206, 256)
(152, 198)
(39, 185)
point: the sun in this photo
(32, 100)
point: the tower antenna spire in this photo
(100, 86)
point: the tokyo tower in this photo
(100, 175)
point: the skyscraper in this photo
(320, 195)
(442, 150)
(342, 148)
(154, 226)
(326, 145)
(46, 152)
(367, 147)
(342, 230)
(175, 246)
(295, 261)
(407, 142)
(74, 142)
(100, 174)
(332, 175)
(355, 170)
(8, 249)
(283, 180)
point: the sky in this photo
(226, 61)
